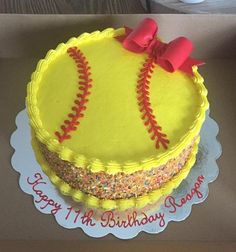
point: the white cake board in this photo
(124, 225)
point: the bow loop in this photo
(175, 54)
(139, 39)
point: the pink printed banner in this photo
(127, 224)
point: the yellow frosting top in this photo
(111, 136)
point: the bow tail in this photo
(121, 38)
(188, 64)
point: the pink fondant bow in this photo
(171, 56)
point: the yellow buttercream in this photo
(112, 137)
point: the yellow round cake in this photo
(112, 127)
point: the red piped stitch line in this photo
(84, 82)
(145, 105)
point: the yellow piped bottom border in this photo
(120, 204)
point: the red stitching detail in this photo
(84, 82)
(145, 105)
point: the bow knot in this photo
(156, 48)
(172, 56)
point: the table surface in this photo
(208, 6)
(71, 6)
(211, 225)
(114, 6)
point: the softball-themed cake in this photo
(116, 115)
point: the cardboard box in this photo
(24, 39)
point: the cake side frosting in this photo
(119, 185)
(70, 150)
(120, 204)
